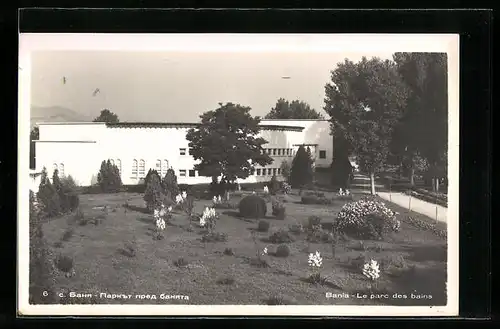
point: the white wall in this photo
(82, 147)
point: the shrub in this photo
(317, 234)
(169, 184)
(282, 250)
(314, 199)
(253, 206)
(109, 178)
(296, 229)
(263, 226)
(301, 172)
(228, 252)
(153, 196)
(41, 268)
(367, 219)
(64, 263)
(278, 209)
(286, 188)
(281, 236)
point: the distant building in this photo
(78, 148)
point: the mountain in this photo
(55, 114)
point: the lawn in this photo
(414, 259)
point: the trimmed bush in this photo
(282, 250)
(109, 178)
(366, 219)
(313, 221)
(252, 206)
(296, 229)
(263, 226)
(312, 199)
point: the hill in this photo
(55, 114)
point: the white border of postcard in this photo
(340, 43)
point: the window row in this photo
(280, 152)
(267, 171)
(60, 169)
(139, 168)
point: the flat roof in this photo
(167, 125)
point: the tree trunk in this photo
(412, 177)
(437, 184)
(372, 183)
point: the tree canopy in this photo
(226, 143)
(423, 128)
(293, 110)
(365, 101)
(107, 116)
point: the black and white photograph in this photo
(221, 174)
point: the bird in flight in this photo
(285, 77)
(96, 91)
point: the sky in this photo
(177, 86)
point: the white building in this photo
(78, 148)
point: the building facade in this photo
(77, 149)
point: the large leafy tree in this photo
(365, 101)
(292, 110)
(421, 135)
(226, 143)
(107, 116)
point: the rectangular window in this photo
(274, 171)
(142, 169)
(164, 167)
(279, 151)
(182, 151)
(182, 173)
(258, 172)
(322, 154)
(190, 151)
(119, 165)
(192, 173)
(253, 172)
(61, 170)
(134, 168)
(158, 166)
(274, 151)
(279, 171)
(269, 171)
(269, 151)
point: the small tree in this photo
(169, 184)
(153, 194)
(301, 171)
(48, 196)
(285, 170)
(109, 178)
(59, 189)
(293, 110)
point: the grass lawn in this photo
(415, 259)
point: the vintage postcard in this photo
(221, 174)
